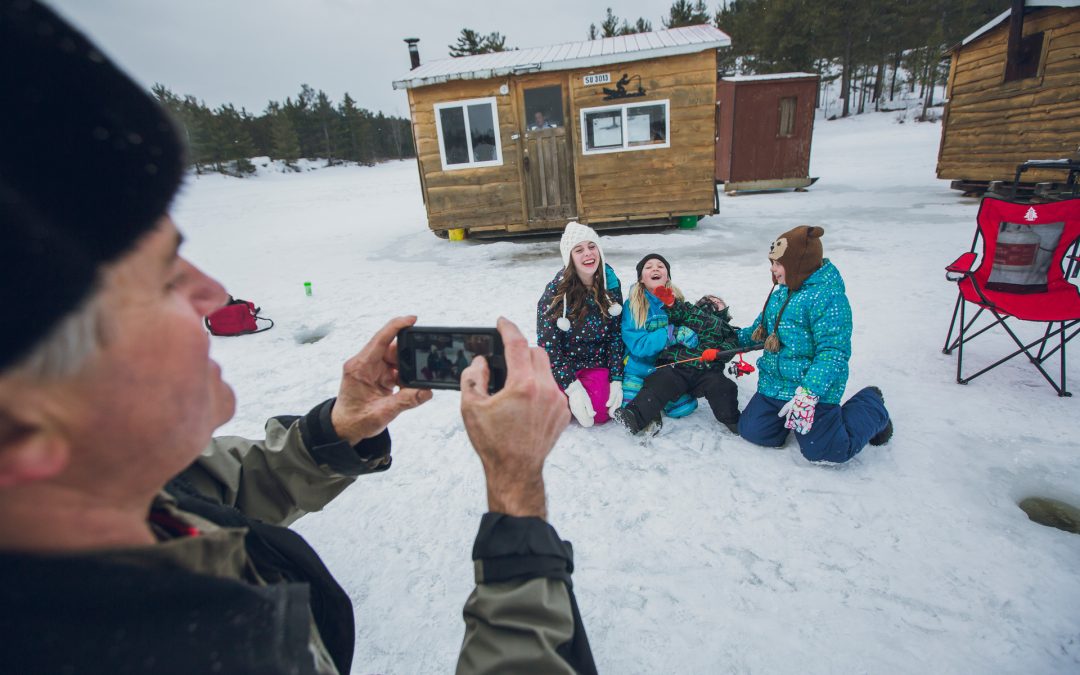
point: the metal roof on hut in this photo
(1028, 4)
(570, 55)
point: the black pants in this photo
(668, 384)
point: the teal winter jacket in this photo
(815, 334)
(644, 343)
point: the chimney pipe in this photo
(1016, 33)
(414, 52)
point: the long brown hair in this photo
(574, 293)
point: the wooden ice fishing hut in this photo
(613, 132)
(1013, 95)
(764, 126)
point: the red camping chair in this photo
(1020, 276)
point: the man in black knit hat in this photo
(130, 540)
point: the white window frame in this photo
(626, 107)
(464, 105)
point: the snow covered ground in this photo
(695, 553)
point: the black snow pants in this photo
(668, 384)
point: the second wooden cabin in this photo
(1013, 95)
(612, 132)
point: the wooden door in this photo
(549, 174)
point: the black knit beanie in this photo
(652, 256)
(88, 163)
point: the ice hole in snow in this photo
(1052, 513)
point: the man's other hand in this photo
(514, 430)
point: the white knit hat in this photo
(574, 234)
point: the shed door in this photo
(548, 158)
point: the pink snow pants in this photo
(598, 386)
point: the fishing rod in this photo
(718, 355)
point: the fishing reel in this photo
(739, 367)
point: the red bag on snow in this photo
(238, 317)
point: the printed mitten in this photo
(580, 405)
(664, 294)
(614, 400)
(799, 411)
(687, 336)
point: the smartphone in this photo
(433, 358)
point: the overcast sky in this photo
(248, 52)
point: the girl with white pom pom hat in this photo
(577, 323)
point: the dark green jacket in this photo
(713, 328)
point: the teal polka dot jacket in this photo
(815, 334)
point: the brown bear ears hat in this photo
(799, 251)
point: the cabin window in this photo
(616, 128)
(543, 107)
(787, 117)
(1027, 60)
(468, 134)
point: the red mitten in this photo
(664, 294)
(709, 354)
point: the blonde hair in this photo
(639, 304)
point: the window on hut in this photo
(1027, 62)
(543, 107)
(787, 117)
(468, 133)
(640, 126)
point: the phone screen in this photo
(435, 357)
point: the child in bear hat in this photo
(806, 327)
(577, 323)
(659, 328)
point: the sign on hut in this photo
(764, 125)
(615, 132)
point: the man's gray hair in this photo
(66, 348)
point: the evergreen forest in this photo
(224, 139)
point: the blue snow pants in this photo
(839, 432)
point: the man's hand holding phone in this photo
(514, 430)
(366, 401)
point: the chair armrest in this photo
(961, 267)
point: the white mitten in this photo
(614, 399)
(580, 405)
(799, 411)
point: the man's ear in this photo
(29, 452)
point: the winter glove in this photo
(614, 399)
(580, 405)
(664, 294)
(709, 354)
(799, 411)
(687, 336)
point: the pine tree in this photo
(592, 32)
(468, 43)
(284, 144)
(494, 42)
(609, 27)
(682, 13)
(326, 125)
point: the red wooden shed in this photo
(764, 125)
